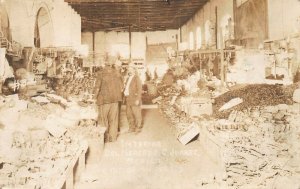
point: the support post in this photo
(222, 60)
(216, 27)
(177, 43)
(234, 18)
(94, 47)
(129, 30)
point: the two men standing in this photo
(108, 91)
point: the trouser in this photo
(119, 117)
(109, 117)
(134, 117)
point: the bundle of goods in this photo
(82, 87)
(150, 92)
(37, 159)
(181, 73)
(173, 90)
(168, 78)
(254, 95)
(265, 151)
(179, 120)
(40, 111)
(190, 84)
(151, 89)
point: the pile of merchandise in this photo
(180, 101)
(37, 159)
(41, 111)
(38, 140)
(81, 88)
(174, 90)
(255, 95)
(179, 120)
(260, 146)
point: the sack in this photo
(296, 96)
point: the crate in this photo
(195, 106)
(200, 108)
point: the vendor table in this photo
(66, 179)
(74, 169)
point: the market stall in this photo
(43, 144)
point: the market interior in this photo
(152, 94)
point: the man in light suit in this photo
(133, 97)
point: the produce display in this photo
(39, 159)
(257, 138)
(78, 87)
(39, 142)
(255, 95)
(265, 151)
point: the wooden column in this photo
(129, 30)
(222, 60)
(177, 43)
(234, 18)
(267, 20)
(216, 27)
(180, 34)
(146, 43)
(94, 47)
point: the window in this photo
(240, 2)
(191, 40)
(199, 37)
(207, 32)
(120, 50)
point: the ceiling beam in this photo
(141, 14)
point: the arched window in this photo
(191, 40)
(199, 38)
(4, 23)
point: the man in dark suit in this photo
(108, 93)
(133, 97)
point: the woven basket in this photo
(152, 89)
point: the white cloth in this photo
(126, 90)
(5, 70)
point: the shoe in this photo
(112, 140)
(131, 131)
(138, 131)
(108, 139)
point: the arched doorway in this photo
(199, 37)
(4, 24)
(191, 41)
(208, 33)
(43, 32)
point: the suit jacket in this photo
(135, 91)
(108, 87)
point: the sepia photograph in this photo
(150, 94)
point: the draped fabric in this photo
(251, 23)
